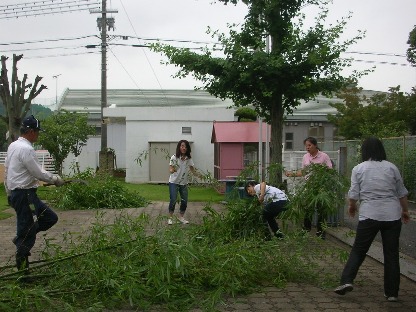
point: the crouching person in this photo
(274, 202)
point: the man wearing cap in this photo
(22, 174)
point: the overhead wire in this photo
(171, 40)
(45, 7)
(130, 76)
(144, 52)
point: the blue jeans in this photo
(271, 211)
(366, 232)
(21, 199)
(173, 195)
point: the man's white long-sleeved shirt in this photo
(22, 168)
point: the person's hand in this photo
(57, 180)
(405, 216)
(261, 198)
(352, 209)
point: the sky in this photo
(54, 45)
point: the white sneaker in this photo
(170, 222)
(391, 299)
(343, 289)
(182, 219)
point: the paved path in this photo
(367, 295)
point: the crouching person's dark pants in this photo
(270, 211)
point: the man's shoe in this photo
(182, 219)
(391, 298)
(14, 240)
(170, 222)
(343, 289)
(22, 264)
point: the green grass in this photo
(160, 192)
(152, 192)
(3, 204)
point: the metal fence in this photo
(401, 151)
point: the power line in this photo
(49, 40)
(381, 62)
(45, 7)
(45, 48)
(144, 52)
(8, 7)
(56, 55)
(376, 53)
(130, 76)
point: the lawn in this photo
(160, 192)
(152, 192)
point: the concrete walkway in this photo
(367, 295)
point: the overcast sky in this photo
(387, 24)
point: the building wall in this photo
(164, 124)
(300, 130)
(116, 134)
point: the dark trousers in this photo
(307, 224)
(173, 195)
(271, 211)
(22, 200)
(366, 232)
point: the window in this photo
(318, 132)
(289, 141)
(186, 130)
(250, 153)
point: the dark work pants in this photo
(307, 224)
(270, 211)
(366, 232)
(22, 200)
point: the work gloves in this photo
(57, 180)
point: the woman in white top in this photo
(274, 202)
(379, 187)
(179, 166)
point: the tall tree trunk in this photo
(276, 122)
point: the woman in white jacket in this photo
(379, 187)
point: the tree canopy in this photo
(65, 132)
(384, 115)
(411, 51)
(298, 64)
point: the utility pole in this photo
(106, 158)
(56, 89)
(102, 24)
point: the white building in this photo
(149, 123)
(146, 125)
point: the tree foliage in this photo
(65, 132)
(246, 114)
(411, 51)
(384, 115)
(300, 63)
(13, 96)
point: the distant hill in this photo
(39, 111)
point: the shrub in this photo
(95, 191)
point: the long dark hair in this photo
(373, 149)
(188, 149)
